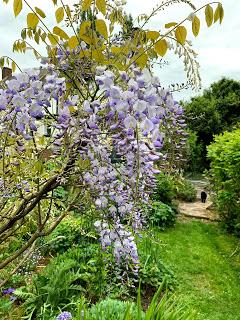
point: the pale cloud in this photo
(218, 47)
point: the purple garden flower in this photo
(8, 291)
(64, 316)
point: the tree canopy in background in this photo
(215, 111)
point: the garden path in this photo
(197, 209)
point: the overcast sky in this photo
(218, 46)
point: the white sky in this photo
(218, 46)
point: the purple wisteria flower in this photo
(64, 316)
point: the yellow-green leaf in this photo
(161, 47)
(86, 4)
(53, 39)
(84, 26)
(142, 60)
(181, 34)
(73, 42)
(219, 13)
(40, 12)
(209, 15)
(32, 20)
(195, 26)
(17, 7)
(59, 14)
(101, 5)
(170, 25)
(60, 32)
(13, 66)
(101, 27)
(152, 35)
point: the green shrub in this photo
(70, 232)
(185, 190)
(164, 191)
(112, 310)
(162, 215)
(224, 172)
(162, 307)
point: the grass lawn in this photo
(208, 277)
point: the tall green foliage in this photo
(217, 110)
(224, 154)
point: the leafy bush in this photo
(224, 154)
(162, 215)
(68, 233)
(77, 271)
(185, 190)
(162, 306)
(165, 191)
(112, 310)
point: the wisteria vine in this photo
(114, 122)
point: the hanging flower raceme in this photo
(119, 132)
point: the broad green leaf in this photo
(170, 25)
(32, 20)
(40, 12)
(209, 15)
(195, 26)
(181, 34)
(73, 42)
(53, 39)
(86, 4)
(101, 27)
(60, 32)
(219, 13)
(101, 5)
(59, 14)
(17, 7)
(152, 35)
(161, 47)
(142, 60)
(84, 26)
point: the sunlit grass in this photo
(208, 276)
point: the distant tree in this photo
(214, 112)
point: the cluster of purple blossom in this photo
(64, 316)
(129, 115)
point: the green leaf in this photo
(161, 47)
(17, 7)
(59, 14)
(32, 20)
(62, 34)
(24, 34)
(40, 12)
(152, 35)
(86, 4)
(13, 66)
(53, 39)
(181, 34)
(101, 5)
(170, 25)
(219, 14)
(101, 27)
(195, 26)
(209, 15)
(73, 42)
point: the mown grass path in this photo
(208, 274)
